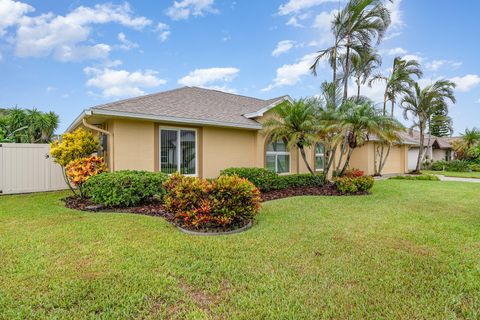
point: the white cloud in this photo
(294, 23)
(126, 44)
(51, 89)
(466, 83)
(291, 74)
(163, 31)
(122, 83)
(283, 47)
(210, 78)
(11, 13)
(413, 57)
(396, 16)
(181, 10)
(395, 51)
(435, 65)
(323, 22)
(294, 6)
(62, 36)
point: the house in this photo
(436, 148)
(200, 132)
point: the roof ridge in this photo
(232, 94)
(139, 97)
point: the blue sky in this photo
(68, 56)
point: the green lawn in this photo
(409, 251)
(455, 174)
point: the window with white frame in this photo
(277, 156)
(319, 157)
(178, 151)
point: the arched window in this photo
(319, 157)
(278, 156)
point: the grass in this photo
(409, 251)
(475, 175)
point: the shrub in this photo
(353, 173)
(262, 178)
(222, 202)
(345, 184)
(80, 170)
(75, 145)
(455, 166)
(364, 183)
(475, 167)
(296, 181)
(125, 188)
(429, 177)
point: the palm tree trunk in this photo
(382, 162)
(329, 161)
(347, 71)
(385, 103)
(342, 153)
(358, 88)
(422, 141)
(347, 161)
(304, 157)
(393, 106)
(334, 67)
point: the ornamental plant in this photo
(224, 202)
(80, 170)
(352, 184)
(75, 145)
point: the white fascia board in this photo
(260, 112)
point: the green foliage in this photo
(441, 123)
(124, 188)
(429, 177)
(78, 144)
(262, 178)
(475, 167)
(201, 204)
(27, 125)
(454, 166)
(352, 184)
(296, 181)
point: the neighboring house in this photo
(200, 132)
(439, 148)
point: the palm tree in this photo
(423, 103)
(399, 81)
(354, 27)
(362, 121)
(363, 65)
(295, 122)
(360, 22)
(471, 137)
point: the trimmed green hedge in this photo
(266, 180)
(429, 177)
(125, 188)
(453, 166)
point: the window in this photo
(178, 151)
(319, 157)
(278, 157)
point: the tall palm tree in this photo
(363, 65)
(360, 23)
(362, 121)
(356, 26)
(422, 104)
(399, 81)
(295, 122)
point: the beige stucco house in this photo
(200, 132)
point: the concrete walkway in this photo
(444, 178)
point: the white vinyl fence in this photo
(28, 167)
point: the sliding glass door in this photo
(178, 151)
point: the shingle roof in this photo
(193, 103)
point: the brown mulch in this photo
(326, 190)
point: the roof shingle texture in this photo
(193, 103)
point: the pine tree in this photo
(441, 124)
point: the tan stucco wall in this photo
(363, 159)
(397, 160)
(224, 148)
(134, 146)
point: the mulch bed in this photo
(326, 190)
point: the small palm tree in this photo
(362, 121)
(295, 122)
(471, 137)
(422, 105)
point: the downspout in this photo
(88, 125)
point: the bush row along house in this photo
(200, 131)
